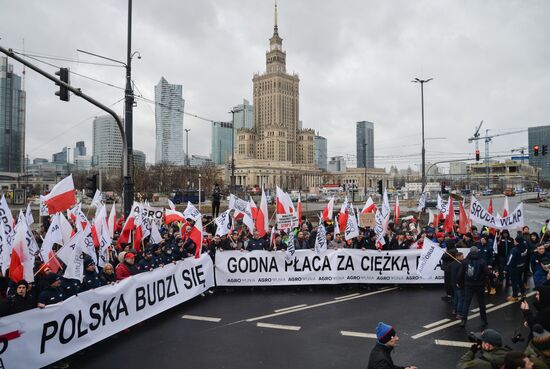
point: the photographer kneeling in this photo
(486, 353)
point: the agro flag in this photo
(290, 247)
(172, 215)
(155, 234)
(379, 228)
(386, 210)
(299, 209)
(495, 245)
(441, 206)
(104, 243)
(506, 210)
(43, 210)
(81, 218)
(22, 260)
(61, 197)
(53, 236)
(5, 250)
(247, 218)
(71, 254)
(450, 218)
(321, 239)
(352, 228)
(6, 217)
(396, 210)
(369, 207)
(88, 246)
(336, 228)
(286, 214)
(223, 223)
(343, 215)
(32, 245)
(327, 212)
(421, 202)
(112, 221)
(191, 212)
(98, 198)
(429, 258)
(196, 237)
(28, 215)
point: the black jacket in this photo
(380, 358)
(16, 304)
(455, 274)
(474, 270)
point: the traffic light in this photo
(91, 185)
(477, 154)
(544, 149)
(63, 92)
(380, 189)
(536, 150)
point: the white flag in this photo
(191, 212)
(321, 238)
(171, 205)
(352, 228)
(5, 249)
(155, 234)
(290, 247)
(111, 222)
(66, 228)
(105, 241)
(53, 236)
(71, 255)
(429, 258)
(248, 220)
(98, 199)
(223, 223)
(28, 215)
(88, 243)
(421, 202)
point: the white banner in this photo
(287, 221)
(480, 215)
(155, 214)
(265, 268)
(39, 337)
(429, 258)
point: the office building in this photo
(321, 152)
(336, 164)
(364, 135)
(221, 142)
(12, 119)
(169, 123)
(199, 161)
(82, 162)
(80, 149)
(107, 143)
(243, 117)
(61, 157)
(458, 168)
(139, 159)
(540, 136)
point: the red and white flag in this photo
(260, 216)
(284, 203)
(104, 243)
(111, 223)
(61, 197)
(449, 219)
(490, 210)
(327, 212)
(53, 236)
(67, 230)
(22, 260)
(369, 207)
(128, 227)
(172, 215)
(299, 208)
(196, 237)
(343, 215)
(396, 210)
(506, 210)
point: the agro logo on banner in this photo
(152, 213)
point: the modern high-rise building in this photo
(243, 115)
(337, 164)
(276, 135)
(364, 135)
(139, 159)
(321, 152)
(12, 120)
(169, 123)
(221, 142)
(60, 157)
(540, 136)
(107, 143)
(80, 149)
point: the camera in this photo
(517, 337)
(472, 337)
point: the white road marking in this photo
(358, 334)
(203, 318)
(477, 309)
(278, 326)
(289, 308)
(318, 305)
(431, 325)
(453, 343)
(345, 297)
(455, 322)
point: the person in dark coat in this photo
(19, 302)
(505, 244)
(216, 199)
(380, 356)
(517, 266)
(458, 285)
(91, 278)
(474, 271)
(70, 286)
(146, 264)
(53, 294)
(108, 274)
(257, 243)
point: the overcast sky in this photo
(490, 61)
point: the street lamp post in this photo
(366, 186)
(232, 180)
(199, 191)
(422, 81)
(187, 146)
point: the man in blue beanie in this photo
(386, 340)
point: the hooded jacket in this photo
(487, 359)
(474, 269)
(380, 358)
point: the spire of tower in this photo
(276, 28)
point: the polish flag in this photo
(53, 235)
(369, 207)
(506, 210)
(449, 219)
(127, 229)
(284, 203)
(112, 221)
(22, 260)
(61, 197)
(299, 206)
(71, 215)
(343, 215)
(172, 215)
(196, 237)
(98, 223)
(327, 212)
(260, 216)
(396, 210)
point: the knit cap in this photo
(541, 339)
(384, 332)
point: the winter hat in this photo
(88, 262)
(520, 239)
(440, 235)
(384, 332)
(490, 336)
(541, 339)
(129, 255)
(52, 277)
(23, 283)
(474, 249)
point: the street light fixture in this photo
(422, 81)
(187, 146)
(366, 186)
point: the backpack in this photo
(473, 271)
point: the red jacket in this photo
(123, 271)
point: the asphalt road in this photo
(325, 327)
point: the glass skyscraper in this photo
(169, 123)
(321, 152)
(540, 136)
(221, 142)
(107, 143)
(365, 135)
(12, 120)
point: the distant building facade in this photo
(139, 159)
(107, 143)
(336, 164)
(60, 157)
(12, 120)
(169, 107)
(321, 152)
(458, 168)
(540, 136)
(80, 149)
(222, 141)
(364, 135)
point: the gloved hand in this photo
(475, 348)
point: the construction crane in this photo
(488, 138)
